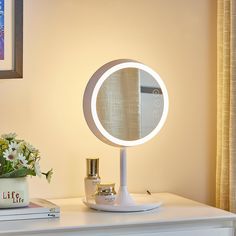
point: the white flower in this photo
(14, 146)
(22, 160)
(9, 136)
(37, 169)
(10, 155)
(49, 175)
(30, 147)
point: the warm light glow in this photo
(98, 85)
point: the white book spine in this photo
(30, 216)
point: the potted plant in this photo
(18, 159)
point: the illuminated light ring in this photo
(116, 141)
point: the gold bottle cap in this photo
(92, 167)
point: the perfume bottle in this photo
(92, 178)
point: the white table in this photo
(177, 216)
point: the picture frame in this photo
(15, 10)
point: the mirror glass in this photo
(130, 104)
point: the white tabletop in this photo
(75, 215)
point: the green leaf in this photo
(2, 164)
(22, 172)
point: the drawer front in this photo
(203, 232)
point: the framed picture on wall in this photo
(11, 39)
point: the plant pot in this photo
(14, 192)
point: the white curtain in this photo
(118, 104)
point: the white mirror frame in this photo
(90, 100)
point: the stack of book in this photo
(37, 209)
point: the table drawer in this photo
(203, 232)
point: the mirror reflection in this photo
(130, 104)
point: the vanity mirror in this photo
(125, 104)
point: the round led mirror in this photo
(125, 103)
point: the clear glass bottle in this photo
(92, 178)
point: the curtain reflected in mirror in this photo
(118, 104)
(130, 104)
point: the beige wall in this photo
(65, 41)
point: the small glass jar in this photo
(106, 194)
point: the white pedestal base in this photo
(120, 208)
(123, 197)
(141, 203)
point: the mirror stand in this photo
(123, 197)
